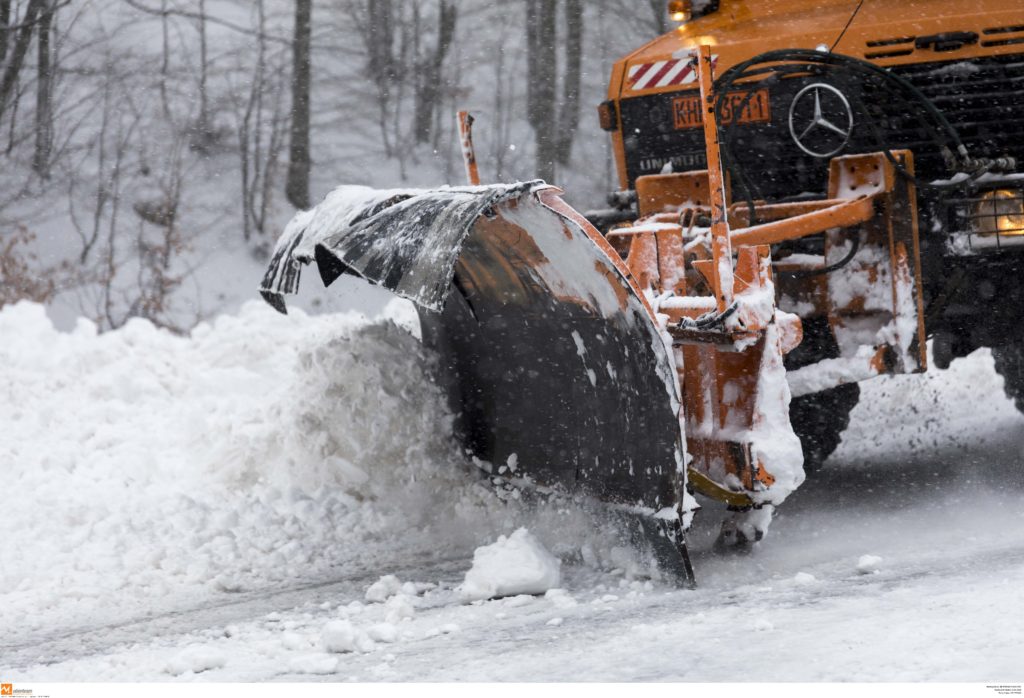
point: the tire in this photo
(819, 419)
(1009, 361)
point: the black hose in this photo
(805, 273)
(709, 320)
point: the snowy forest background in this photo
(152, 150)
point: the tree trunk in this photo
(379, 36)
(10, 76)
(381, 39)
(541, 74)
(569, 110)
(5, 20)
(297, 186)
(44, 96)
(429, 78)
(204, 108)
(165, 60)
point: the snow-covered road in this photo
(903, 560)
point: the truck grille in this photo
(983, 99)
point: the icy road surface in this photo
(216, 507)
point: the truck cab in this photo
(966, 59)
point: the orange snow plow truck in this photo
(809, 190)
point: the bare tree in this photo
(297, 185)
(375, 23)
(165, 59)
(111, 144)
(502, 114)
(17, 57)
(428, 77)
(44, 94)
(155, 280)
(5, 20)
(204, 136)
(541, 75)
(260, 137)
(554, 121)
(569, 109)
(204, 103)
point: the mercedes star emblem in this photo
(820, 120)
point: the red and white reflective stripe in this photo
(678, 71)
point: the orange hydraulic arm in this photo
(721, 247)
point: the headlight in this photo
(999, 212)
(680, 10)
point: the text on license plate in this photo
(687, 112)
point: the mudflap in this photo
(551, 356)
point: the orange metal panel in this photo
(670, 192)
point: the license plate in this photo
(687, 112)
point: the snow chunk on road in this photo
(383, 589)
(197, 659)
(383, 632)
(560, 598)
(399, 608)
(313, 664)
(804, 579)
(517, 564)
(342, 636)
(868, 564)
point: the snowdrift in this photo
(139, 465)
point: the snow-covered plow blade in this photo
(552, 357)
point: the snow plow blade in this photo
(550, 354)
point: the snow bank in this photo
(518, 564)
(140, 467)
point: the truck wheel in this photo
(819, 419)
(1010, 365)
